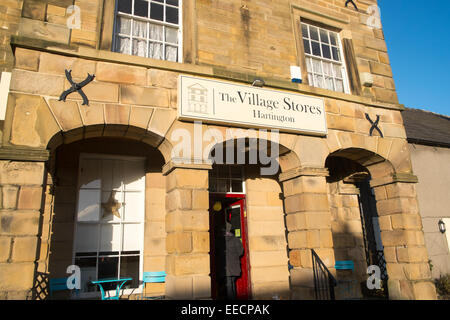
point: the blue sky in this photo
(417, 34)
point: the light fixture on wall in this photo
(442, 228)
(258, 82)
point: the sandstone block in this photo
(412, 254)
(5, 248)
(187, 221)
(21, 173)
(424, 290)
(16, 276)
(30, 198)
(201, 287)
(188, 264)
(162, 78)
(26, 59)
(24, 249)
(110, 72)
(154, 97)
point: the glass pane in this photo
(134, 206)
(310, 79)
(117, 174)
(110, 237)
(329, 83)
(333, 38)
(315, 48)
(326, 51)
(236, 186)
(314, 33)
(125, 6)
(318, 80)
(172, 35)
(236, 172)
(107, 269)
(171, 53)
(327, 68)
(131, 237)
(111, 206)
(123, 45)
(139, 29)
(308, 64)
(317, 66)
(141, 8)
(223, 171)
(89, 205)
(156, 11)
(156, 32)
(162, 1)
(336, 55)
(123, 25)
(140, 48)
(129, 268)
(86, 238)
(337, 71)
(324, 36)
(306, 46)
(155, 50)
(88, 268)
(134, 172)
(172, 15)
(339, 85)
(89, 177)
(172, 2)
(222, 185)
(305, 31)
(107, 174)
(212, 185)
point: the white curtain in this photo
(171, 53)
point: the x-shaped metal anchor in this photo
(76, 87)
(374, 125)
(351, 1)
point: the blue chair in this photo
(345, 265)
(153, 277)
(58, 284)
(350, 284)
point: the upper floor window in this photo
(148, 28)
(324, 59)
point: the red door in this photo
(236, 213)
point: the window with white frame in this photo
(109, 224)
(324, 59)
(226, 179)
(148, 28)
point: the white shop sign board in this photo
(223, 102)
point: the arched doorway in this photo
(252, 203)
(355, 225)
(108, 212)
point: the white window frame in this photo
(179, 26)
(142, 229)
(322, 59)
(229, 178)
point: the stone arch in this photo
(393, 150)
(267, 232)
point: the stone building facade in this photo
(53, 153)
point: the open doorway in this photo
(228, 219)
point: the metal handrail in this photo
(324, 282)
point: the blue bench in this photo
(153, 277)
(345, 265)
